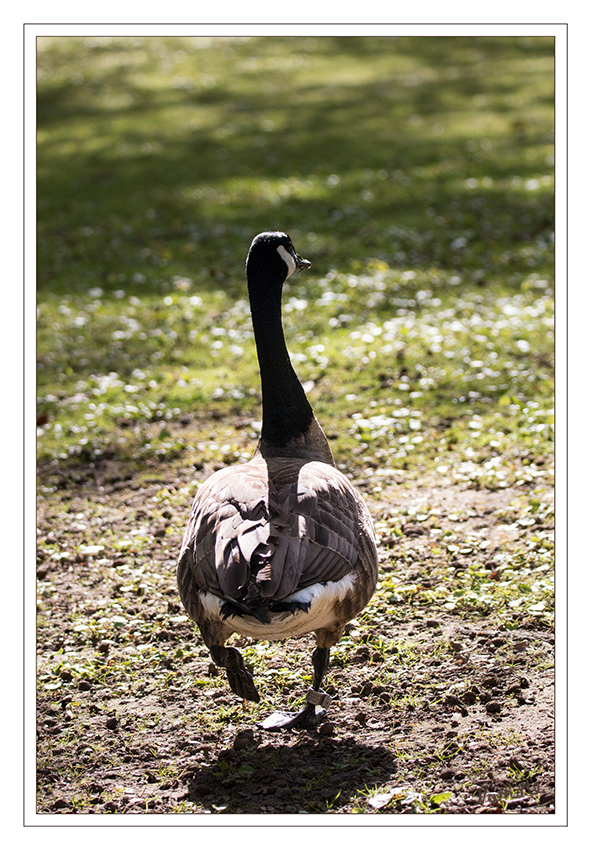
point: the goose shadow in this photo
(256, 776)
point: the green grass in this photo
(416, 173)
(417, 176)
(163, 157)
(472, 380)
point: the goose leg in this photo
(239, 679)
(309, 715)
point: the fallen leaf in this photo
(378, 801)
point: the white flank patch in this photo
(288, 259)
(321, 597)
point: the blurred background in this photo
(165, 156)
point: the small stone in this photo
(469, 698)
(414, 530)
(432, 624)
(85, 686)
(244, 739)
(326, 729)
(362, 654)
(447, 774)
(518, 802)
(112, 722)
(493, 707)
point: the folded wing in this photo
(259, 532)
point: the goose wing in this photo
(318, 511)
(261, 531)
(229, 518)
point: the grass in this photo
(427, 320)
(417, 176)
(178, 150)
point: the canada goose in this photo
(282, 545)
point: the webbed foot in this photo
(315, 710)
(239, 679)
(280, 721)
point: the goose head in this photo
(272, 259)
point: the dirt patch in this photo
(435, 710)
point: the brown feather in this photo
(281, 522)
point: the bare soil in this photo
(469, 730)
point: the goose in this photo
(283, 545)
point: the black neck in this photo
(287, 413)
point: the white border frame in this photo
(381, 821)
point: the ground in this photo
(435, 709)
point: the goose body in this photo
(283, 545)
(282, 538)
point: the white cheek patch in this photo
(288, 259)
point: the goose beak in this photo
(300, 262)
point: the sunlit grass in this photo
(450, 379)
(425, 327)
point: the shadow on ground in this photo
(306, 777)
